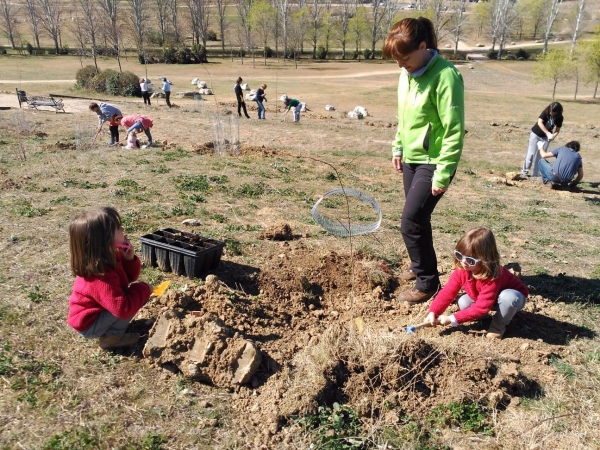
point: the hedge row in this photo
(108, 81)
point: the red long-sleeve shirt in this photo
(112, 291)
(484, 292)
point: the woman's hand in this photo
(444, 320)
(431, 319)
(397, 163)
(437, 191)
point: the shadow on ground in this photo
(564, 288)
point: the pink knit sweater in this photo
(484, 292)
(111, 291)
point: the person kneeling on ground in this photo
(293, 103)
(568, 163)
(138, 123)
(487, 286)
(108, 113)
(132, 141)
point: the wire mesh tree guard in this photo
(84, 131)
(226, 134)
(344, 226)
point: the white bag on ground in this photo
(245, 87)
(329, 108)
(195, 81)
(202, 84)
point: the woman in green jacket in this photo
(428, 142)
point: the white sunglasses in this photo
(469, 260)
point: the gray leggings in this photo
(509, 302)
(106, 325)
(530, 165)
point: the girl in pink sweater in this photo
(105, 297)
(137, 123)
(486, 284)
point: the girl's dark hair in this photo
(286, 101)
(239, 80)
(91, 237)
(405, 37)
(573, 145)
(555, 109)
(480, 243)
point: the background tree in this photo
(480, 17)
(317, 9)
(283, 12)
(440, 15)
(86, 27)
(575, 20)
(162, 17)
(175, 21)
(261, 18)
(359, 28)
(459, 21)
(327, 29)
(298, 27)
(112, 32)
(504, 23)
(591, 60)
(551, 7)
(245, 31)
(139, 17)
(8, 13)
(555, 66)
(378, 12)
(221, 9)
(533, 12)
(50, 12)
(34, 19)
(347, 10)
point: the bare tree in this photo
(110, 10)
(34, 19)
(50, 20)
(162, 16)
(243, 7)
(504, 23)
(86, 28)
(348, 9)
(553, 7)
(199, 15)
(316, 8)
(575, 21)
(139, 9)
(221, 8)
(378, 16)
(440, 16)
(261, 18)
(175, 21)
(283, 9)
(459, 22)
(8, 12)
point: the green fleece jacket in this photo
(431, 119)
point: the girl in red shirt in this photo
(486, 284)
(105, 297)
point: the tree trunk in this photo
(554, 90)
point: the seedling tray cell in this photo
(181, 252)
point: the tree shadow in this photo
(563, 288)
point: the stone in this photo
(247, 362)
(187, 94)
(192, 222)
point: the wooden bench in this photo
(37, 101)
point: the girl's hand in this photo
(444, 320)
(397, 163)
(431, 319)
(126, 250)
(437, 190)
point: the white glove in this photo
(540, 145)
(550, 136)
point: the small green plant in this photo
(26, 209)
(153, 442)
(37, 295)
(79, 438)
(251, 190)
(233, 247)
(540, 271)
(219, 218)
(183, 210)
(331, 176)
(176, 155)
(6, 367)
(335, 428)
(191, 183)
(84, 184)
(160, 169)
(565, 369)
(130, 184)
(467, 415)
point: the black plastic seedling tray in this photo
(181, 252)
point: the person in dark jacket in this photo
(239, 95)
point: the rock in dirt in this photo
(202, 348)
(280, 231)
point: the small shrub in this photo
(335, 428)
(98, 83)
(198, 54)
(63, 50)
(492, 54)
(129, 85)
(2, 51)
(321, 52)
(183, 56)
(355, 55)
(241, 52)
(469, 416)
(269, 53)
(522, 53)
(233, 247)
(29, 48)
(169, 55)
(84, 76)
(367, 53)
(211, 35)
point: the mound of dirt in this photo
(278, 232)
(291, 336)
